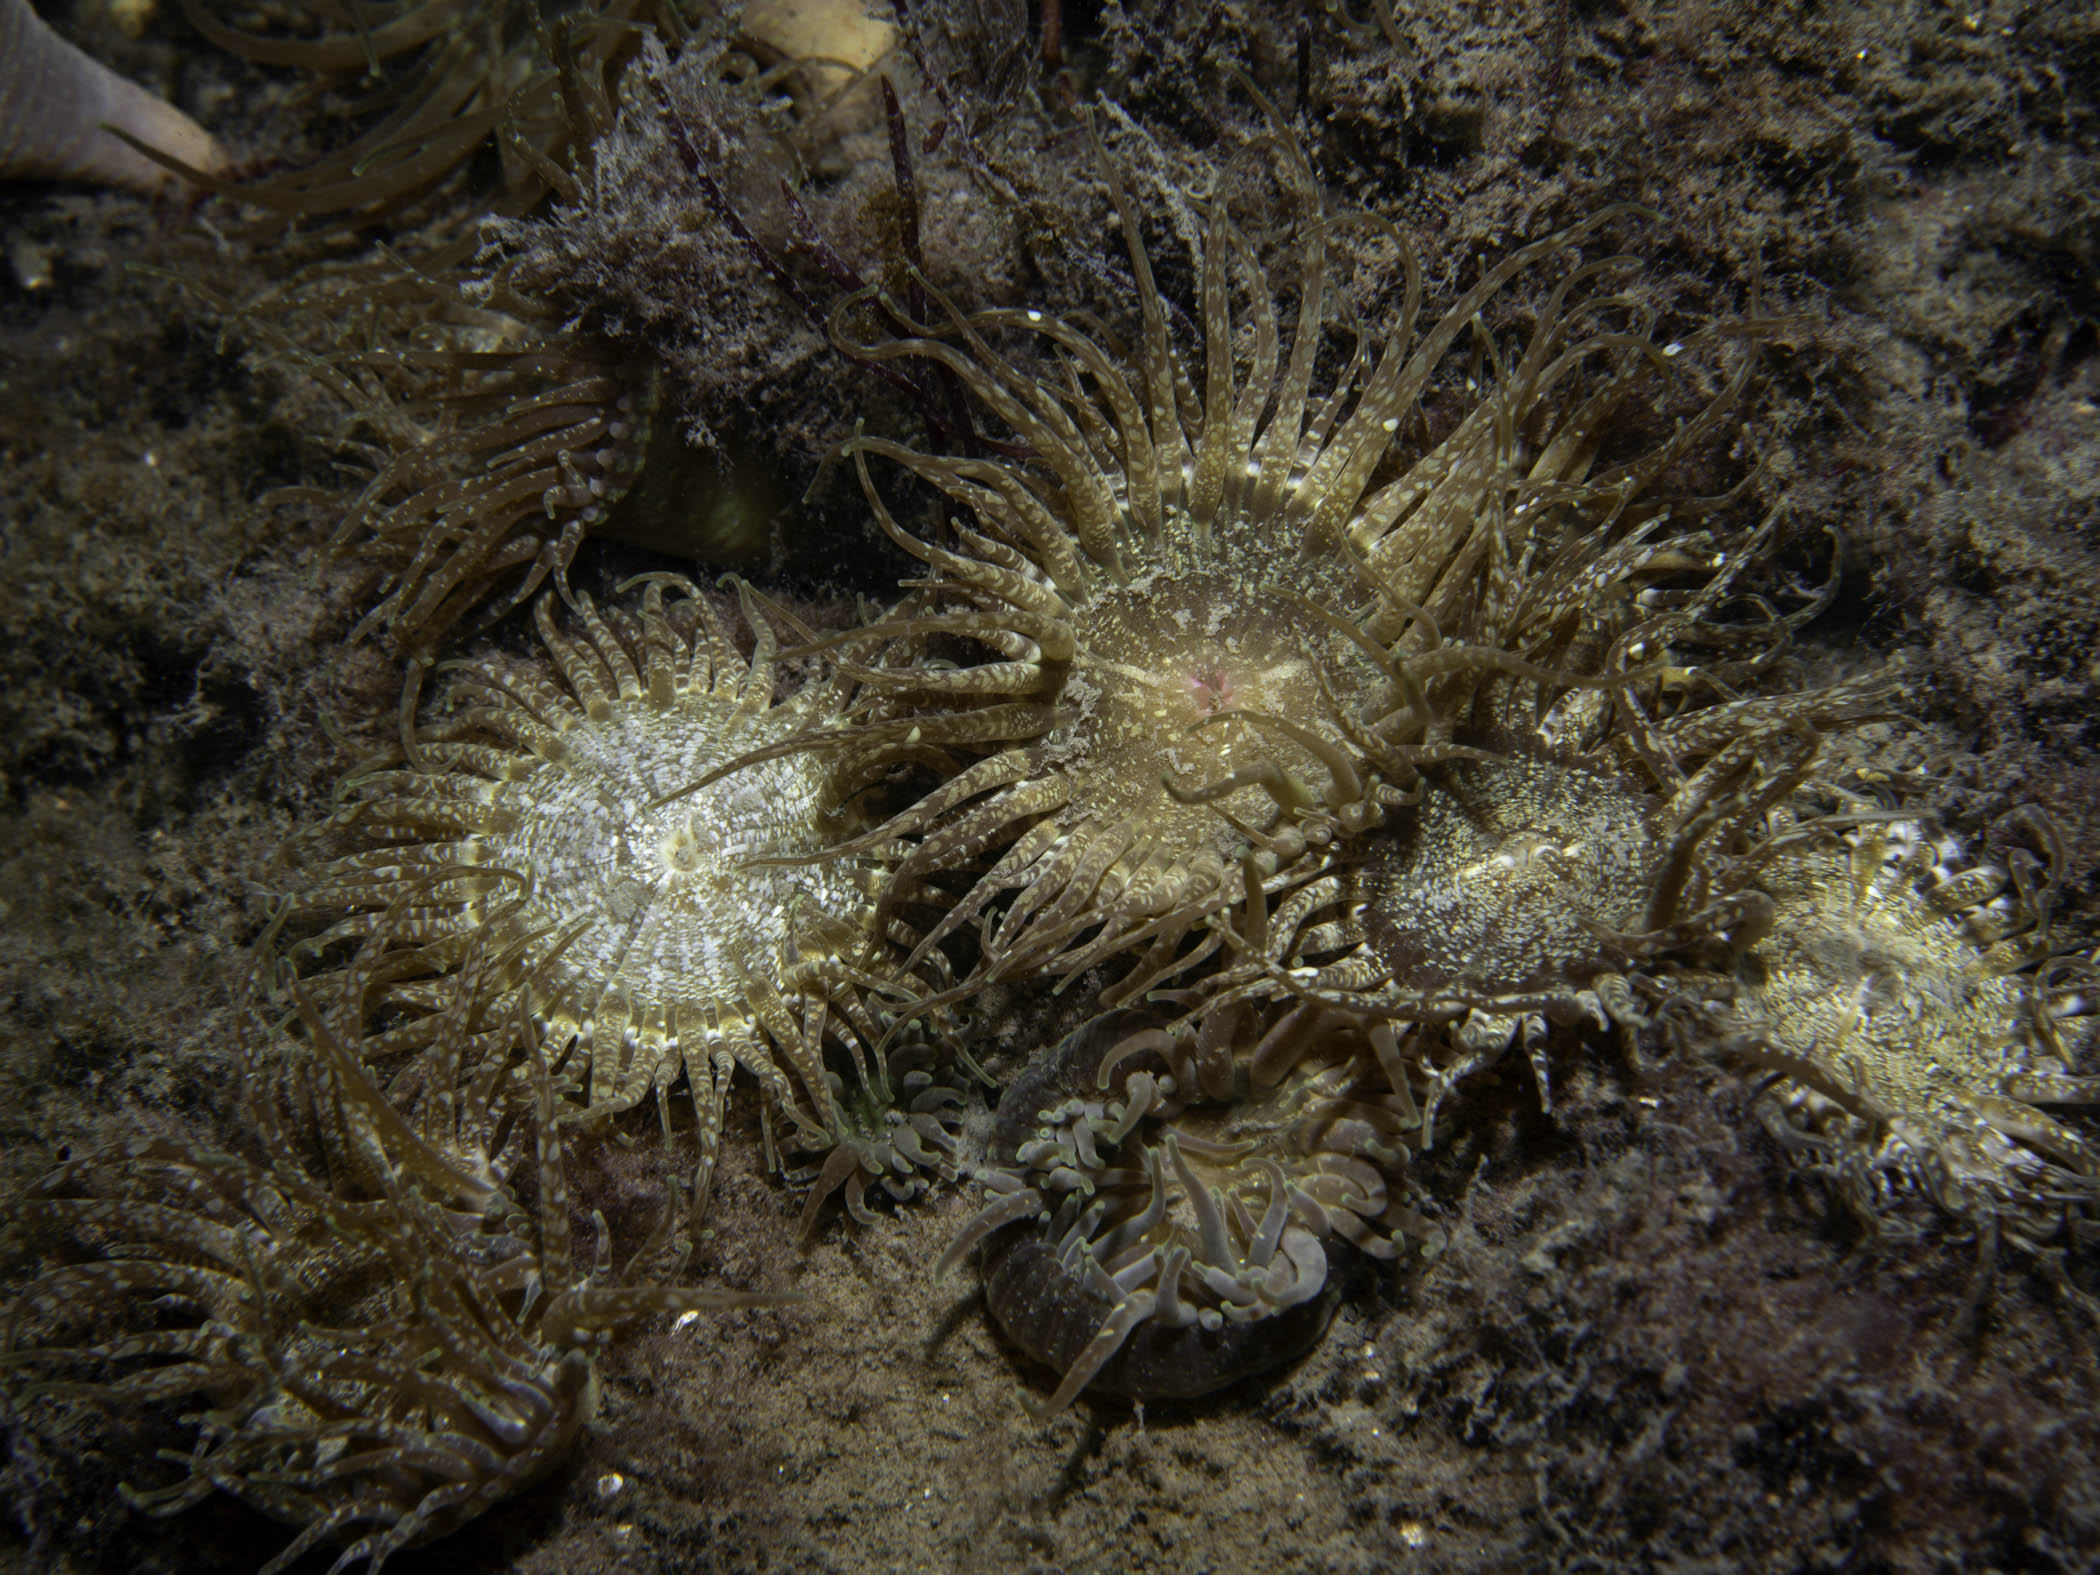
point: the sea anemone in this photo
(1915, 1025)
(371, 1337)
(1165, 1204)
(446, 80)
(493, 440)
(560, 849)
(897, 1125)
(531, 447)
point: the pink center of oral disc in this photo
(1211, 689)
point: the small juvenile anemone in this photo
(898, 1122)
(368, 1335)
(1904, 1001)
(1175, 1236)
(1230, 606)
(548, 852)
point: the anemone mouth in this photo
(1150, 1239)
(1176, 695)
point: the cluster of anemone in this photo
(1465, 704)
(1335, 709)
